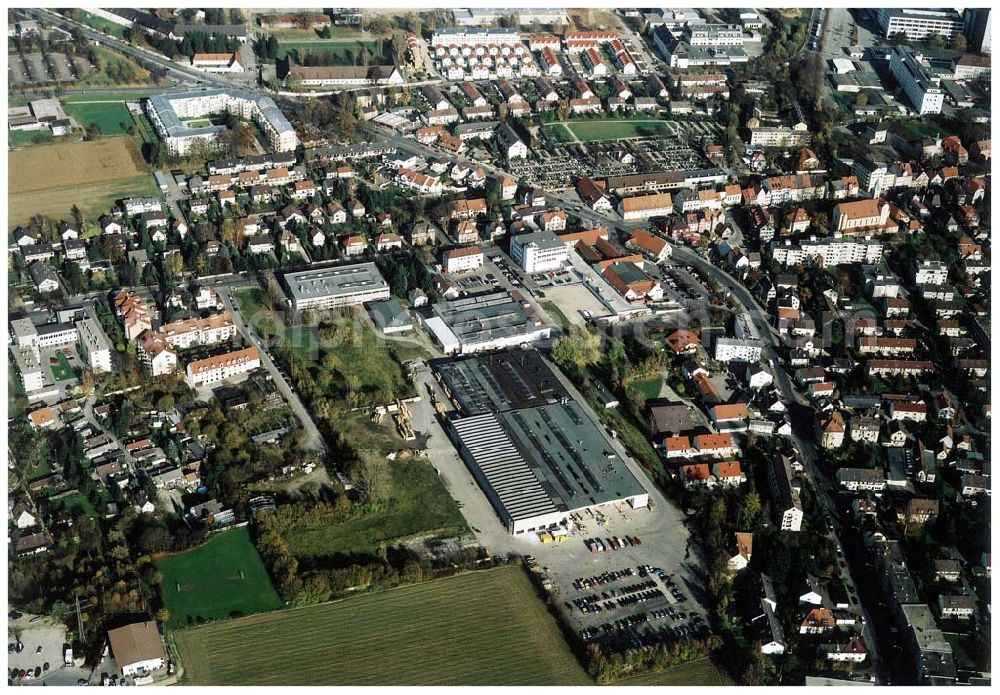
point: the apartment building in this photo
(221, 367)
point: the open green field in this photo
(215, 579)
(343, 51)
(416, 503)
(26, 138)
(593, 131)
(485, 628)
(101, 24)
(697, 672)
(111, 117)
(50, 179)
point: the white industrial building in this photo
(538, 252)
(346, 285)
(537, 454)
(475, 323)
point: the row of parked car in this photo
(602, 579)
(650, 595)
(598, 545)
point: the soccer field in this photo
(485, 628)
(111, 117)
(593, 131)
(215, 579)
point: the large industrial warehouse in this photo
(536, 453)
(481, 322)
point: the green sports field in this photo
(111, 117)
(593, 131)
(344, 51)
(215, 579)
(486, 628)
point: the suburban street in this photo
(314, 440)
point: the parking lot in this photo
(34, 68)
(41, 641)
(623, 576)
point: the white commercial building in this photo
(920, 24)
(538, 252)
(346, 285)
(921, 85)
(483, 322)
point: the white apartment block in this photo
(922, 87)
(190, 332)
(737, 350)
(930, 273)
(221, 367)
(538, 252)
(475, 37)
(463, 259)
(167, 110)
(830, 251)
(95, 345)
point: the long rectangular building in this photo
(169, 111)
(538, 455)
(481, 322)
(346, 285)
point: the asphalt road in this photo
(314, 440)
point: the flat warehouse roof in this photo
(331, 282)
(501, 381)
(566, 448)
(512, 480)
(484, 317)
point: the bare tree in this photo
(370, 475)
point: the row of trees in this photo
(607, 666)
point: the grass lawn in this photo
(338, 48)
(101, 24)
(75, 503)
(555, 312)
(15, 405)
(591, 131)
(111, 117)
(698, 672)
(484, 628)
(215, 579)
(63, 369)
(416, 503)
(649, 387)
(25, 138)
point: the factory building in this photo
(482, 322)
(346, 285)
(538, 455)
